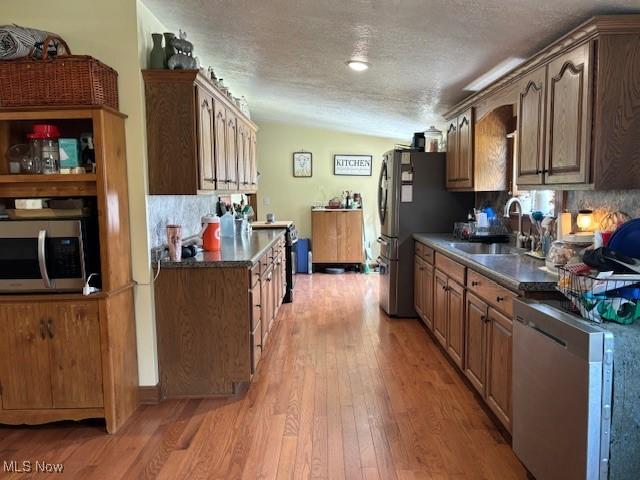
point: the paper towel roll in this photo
(564, 225)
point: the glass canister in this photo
(432, 139)
(35, 142)
(50, 156)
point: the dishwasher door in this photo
(561, 393)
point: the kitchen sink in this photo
(487, 248)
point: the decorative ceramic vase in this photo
(169, 49)
(157, 56)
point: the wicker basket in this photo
(64, 80)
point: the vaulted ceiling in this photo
(288, 56)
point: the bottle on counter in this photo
(227, 225)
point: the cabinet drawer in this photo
(256, 347)
(425, 253)
(453, 269)
(492, 293)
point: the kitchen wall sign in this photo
(357, 165)
(302, 164)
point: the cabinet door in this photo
(25, 373)
(530, 145)
(253, 160)
(205, 141)
(465, 150)
(349, 237)
(240, 140)
(418, 267)
(569, 117)
(74, 352)
(266, 310)
(427, 294)
(452, 153)
(475, 342)
(256, 347)
(324, 237)
(440, 319)
(498, 384)
(455, 315)
(232, 152)
(220, 146)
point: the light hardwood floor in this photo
(341, 392)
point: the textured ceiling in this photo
(288, 56)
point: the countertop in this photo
(515, 272)
(239, 251)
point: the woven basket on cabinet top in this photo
(64, 80)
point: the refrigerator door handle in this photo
(382, 242)
(380, 262)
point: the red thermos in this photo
(210, 233)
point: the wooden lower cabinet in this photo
(476, 342)
(455, 320)
(337, 236)
(440, 300)
(499, 352)
(423, 291)
(68, 359)
(213, 324)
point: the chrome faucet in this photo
(507, 209)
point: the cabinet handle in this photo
(499, 299)
(444, 288)
(42, 332)
(474, 283)
(483, 318)
(209, 179)
(258, 306)
(50, 328)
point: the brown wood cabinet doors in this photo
(476, 318)
(253, 145)
(455, 315)
(440, 308)
(220, 132)
(25, 370)
(452, 153)
(464, 178)
(50, 356)
(232, 151)
(74, 351)
(531, 122)
(499, 370)
(418, 286)
(205, 129)
(242, 133)
(569, 117)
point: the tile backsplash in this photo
(627, 201)
(185, 210)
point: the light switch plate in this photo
(266, 201)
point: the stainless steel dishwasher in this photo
(562, 383)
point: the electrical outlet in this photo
(266, 201)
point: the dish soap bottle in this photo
(227, 225)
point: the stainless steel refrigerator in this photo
(411, 199)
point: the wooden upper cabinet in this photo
(452, 153)
(569, 117)
(189, 119)
(241, 136)
(253, 145)
(531, 122)
(232, 151)
(25, 371)
(220, 132)
(205, 130)
(465, 150)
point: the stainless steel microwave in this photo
(53, 255)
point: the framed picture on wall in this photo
(302, 164)
(357, 165)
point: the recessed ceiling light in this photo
(358, 65)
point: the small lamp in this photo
(585, 220)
